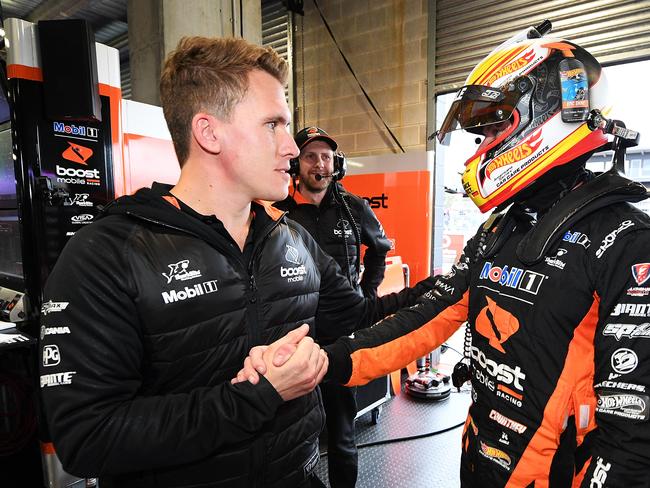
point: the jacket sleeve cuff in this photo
(268, 394)
(340, 362)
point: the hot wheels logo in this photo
(515, 65)
(515, 154)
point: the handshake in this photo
(294, 364)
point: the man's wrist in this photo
(340, 362)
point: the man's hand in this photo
(293, 364)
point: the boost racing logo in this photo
(293, 273)
(77, 153)
(343, 227)
(600, 474)
(493, 319)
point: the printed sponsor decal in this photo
(53, 331)
(77, 153)
(77, 176)
(513, 277)
(600, 474)
(624, 361)
(82, 219)
(638, 291)
(190, 292)
(504, 421)
(51, 355)
(342, 227)
(514, 155)
(79, 199)
(631, 310)
(511, 67)
(78, 131)
(496, 324)
(619, 385)
(611, 237)
(293, 273)
(555, 261)
(496, 455)
(57, 379)
(180, 271)
(504, 439)
(626, 405)
(628, 331)
(577, 238)
(501, 372)
(311, 463)
(51, 307)
(378, 201)
(641, 272)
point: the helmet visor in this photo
(476, 106)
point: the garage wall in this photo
(385, 42)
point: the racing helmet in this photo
(528, 101)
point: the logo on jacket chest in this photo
(343, 228)
(180, 272)
(294, 273)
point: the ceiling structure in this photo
(107, 18)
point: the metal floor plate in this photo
(431, 462)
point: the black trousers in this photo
(342, 457)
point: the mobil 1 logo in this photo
(513, 277)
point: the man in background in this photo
(340, 222)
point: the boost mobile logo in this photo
(293, 273)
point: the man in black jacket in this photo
(151, 310)
(340, 222)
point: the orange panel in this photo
(149, 159)
(403, 204)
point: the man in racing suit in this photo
(150, 311)
(554, 288)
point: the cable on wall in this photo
(347, 63)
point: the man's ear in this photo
(206, 132)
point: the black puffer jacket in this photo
(329, 224)
(147, 316)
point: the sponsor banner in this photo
(624, 361)
(631, 406)
(51, 355)
(641, 272)
(599, 477)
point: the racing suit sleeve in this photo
(341, 309)
(91, 377)
(374, 259)
(406, 336)
(620, 455)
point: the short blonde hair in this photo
(211, 75)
